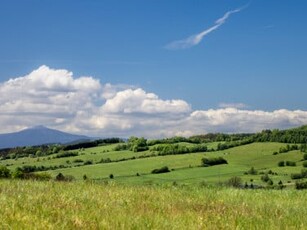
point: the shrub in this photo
(213, 161)
(60, 177)
(265, 178)
(88, 162)
(290, 163)
(252, 171)
(270, 182)
(300, 185)
(305, 156)
(77, 161)
(296, 176)
(305, 164)
(111, 176)
(121, 147)
(160, 170)
(280, 185)
(235, 182)
(107, 160)
(18, 173)
(66, 154)
(4, 172)
(38, 176)
(281, 164)
(84, 177)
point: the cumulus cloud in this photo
(197, 38)
(57, 99)
(138, 101)
(236, 120)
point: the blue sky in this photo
(255, 60)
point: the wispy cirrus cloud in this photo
(197, 38)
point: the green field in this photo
(88, 205)
(185, 168)
(189, 196)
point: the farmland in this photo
(130, 167)
(217, 184)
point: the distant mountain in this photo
(38, 135)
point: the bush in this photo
(160, 170)
(111, 176)
(300, 185)
(252, 171)
(235, 182)
(121, 147)
(301, 175)
(37, 176)
(4, 172)
(281, 164)
(305, 156)
(60, 177)
(265, 178)
(66, 154)
(213, 161)
(270, 182)
(305, 164)
(77, 161)
(296, 176)
(18, 173)
(290, 163)
(88, 162)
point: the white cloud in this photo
(233, 105)
(237, 120)
(138, 101)
(57, 99)
(197, 38)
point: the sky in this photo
(153, 68)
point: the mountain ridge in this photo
(38, 135)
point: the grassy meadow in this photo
(86, 205)
(189, 196)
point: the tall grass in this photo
(86, 205)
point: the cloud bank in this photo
(197, 38)
(57, 99)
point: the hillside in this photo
(261, 163)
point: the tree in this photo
(137, 144)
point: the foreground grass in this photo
(80, 205)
